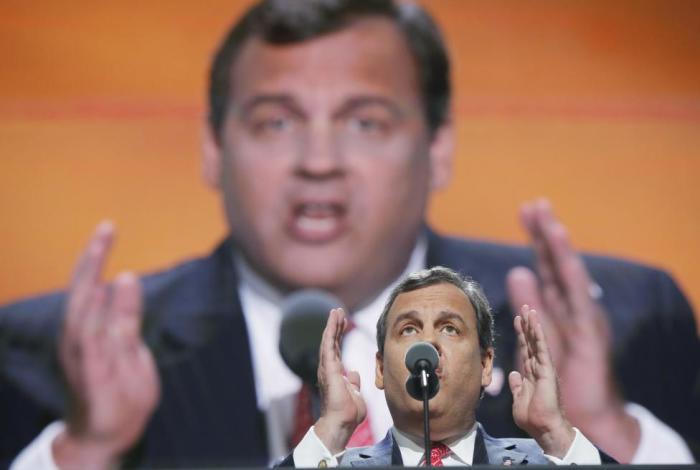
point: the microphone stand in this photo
(426, 416)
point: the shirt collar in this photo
(365, 318)
(260, 288)
(411, 447)
(263, 290)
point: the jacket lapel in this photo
(490, 451)
(208, 412)
(383, 454)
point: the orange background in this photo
(594, 104)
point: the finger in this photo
(552, 293)
(98, 244)
(544, 356)
(340, 328)
(522, 394)
(79, 347)
(530, 340)
(124, 313)
(521, 344)
(87, 274)
(340, 332)
(328, 336)
(137, 374)
(93, 324)
(540, 359)
(353, 378)
(552, 298)
(557, 308)
(530, 219)
(91, 261)
(568, 263)
(523, 288)
(96, 363)
(515, 381)
(330, 354)
(527, 330)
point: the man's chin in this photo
(311, 269)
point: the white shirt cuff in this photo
(581, 452)
(311, 452)
(658, 443)
(38, 455)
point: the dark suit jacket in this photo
(208, 413)
(487, 451)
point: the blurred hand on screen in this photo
(111, 375)
(577, 331)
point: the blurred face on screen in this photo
(325, 160)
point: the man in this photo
(325, 162)
(451, 313)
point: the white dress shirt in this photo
(311, 451)
(277, 387)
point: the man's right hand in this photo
(110, 373)
(342, 406)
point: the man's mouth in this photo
(317, 221)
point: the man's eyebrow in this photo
(410, 315)
(450, 315)
(444, 315)
(280, 99)
(361, 101)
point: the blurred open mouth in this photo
(317, 221)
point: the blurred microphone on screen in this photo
(305, 313)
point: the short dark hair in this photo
(443, 275)
(292, 21)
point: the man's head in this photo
(436, 305)
(280, 22)
(328, 129)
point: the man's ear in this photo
(379, 371)
(486, 367)
(441, 152)
(211, 157)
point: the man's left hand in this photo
(536, 407)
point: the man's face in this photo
(442, 315)
(325, 160)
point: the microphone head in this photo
(422, 356)
(305, 313)
(419, 352)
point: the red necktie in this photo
(437, 452)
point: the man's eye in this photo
(450, 330)
(408, 331)
(275, 125)
(368, 125)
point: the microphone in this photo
(421, 360)
(305, 313)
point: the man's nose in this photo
(320, 156)
(431, 336)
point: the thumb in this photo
(354, 379)
(515, 381)
(523, 289)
